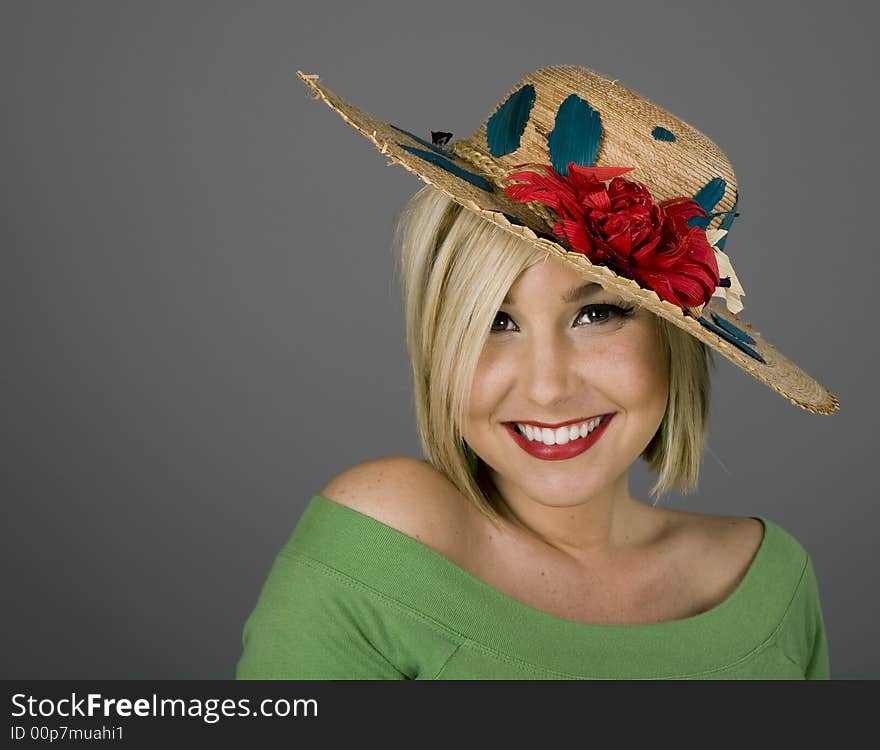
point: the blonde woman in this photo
(515, 549)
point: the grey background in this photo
(201, 327)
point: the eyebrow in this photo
(574, 294)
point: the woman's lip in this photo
(558, 424)
(558, 452)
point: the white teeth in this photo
(560, 436)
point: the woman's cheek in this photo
(490, 381)
(646, 371)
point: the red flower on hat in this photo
(620, 226)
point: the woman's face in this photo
(555, 357)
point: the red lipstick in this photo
(559, 452)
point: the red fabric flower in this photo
(620, 226)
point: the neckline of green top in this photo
(404, 569)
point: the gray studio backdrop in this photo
(201, 326)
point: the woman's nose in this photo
(549, 371)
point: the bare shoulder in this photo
(739, 536)
(720, 550)
(407, 494)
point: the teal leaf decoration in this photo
(662, 134)
(576, 135)
(450, 166)
(728, 220)
(505, 128)
(708, 197)
(735, 340)
(712, 192)
(731, 328)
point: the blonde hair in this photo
(455, 269)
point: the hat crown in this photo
(549, 113)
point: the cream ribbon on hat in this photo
(732, 293)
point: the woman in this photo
(545, 363)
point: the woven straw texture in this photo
(667, 169)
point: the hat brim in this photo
(721, 329)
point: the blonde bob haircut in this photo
(455, 269)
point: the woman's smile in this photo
(562, 443)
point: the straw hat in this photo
(548, 164)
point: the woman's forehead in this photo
(551, 280)
(574, 294)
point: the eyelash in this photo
(621, 311)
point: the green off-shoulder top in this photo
(351, 598)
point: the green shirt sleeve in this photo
(818, 667)
(801, 635)
(304, 627)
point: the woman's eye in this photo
(504, 318)
(597, 314)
